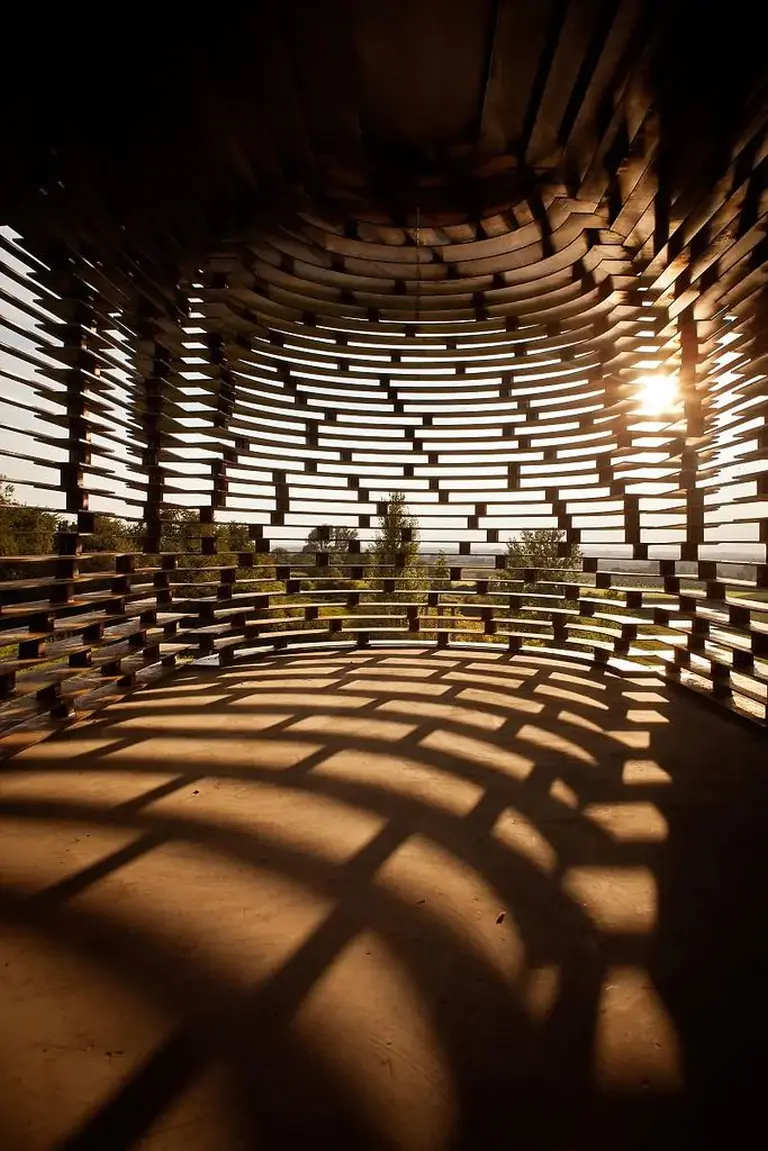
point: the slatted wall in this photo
(490, 367)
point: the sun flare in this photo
(658, 394)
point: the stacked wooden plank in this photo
(375, 291)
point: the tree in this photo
(395, 551)
(234, 537)
(333, 541)
(24, 531)
(397, 543)
(440, 573)
(329, 538)
(540, 548)
(111, 534)
(180, 530)
(439, 580)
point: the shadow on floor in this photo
(394, 898)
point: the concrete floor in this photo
(391, 899)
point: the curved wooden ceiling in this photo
(540, 136)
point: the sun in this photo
(658, 394)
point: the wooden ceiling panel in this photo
(421, 68)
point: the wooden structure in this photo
(350, 248)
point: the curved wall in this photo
(474, 332)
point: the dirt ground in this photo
(397, 898)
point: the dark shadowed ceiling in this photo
(145, 142)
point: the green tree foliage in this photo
(110, 534)
(182, 533)
(439, 579)
(236, 536)
(396, 545)
(329, 538)
(334, 542)
(440, 573)
(24, 531)
(395, 551)
(181, 530)
(398, 530)
(234, 540)
(540, 549)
